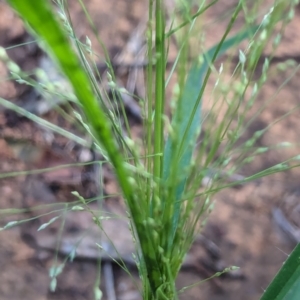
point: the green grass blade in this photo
(9, 105)
(187, 119)
(286, 284)
(41, 18)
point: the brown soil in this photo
(240, 231)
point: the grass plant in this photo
(162, 182)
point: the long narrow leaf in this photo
(187, 119)
(286, 284)
(42, 20)
(40, 17)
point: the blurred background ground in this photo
(240, 232)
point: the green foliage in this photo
(160, 194)
(286, 284)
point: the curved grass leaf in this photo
(40, 17)
(286, 284)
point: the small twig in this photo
(290, 230)
(109, 280)
(211, 248)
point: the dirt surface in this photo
(241, 231)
